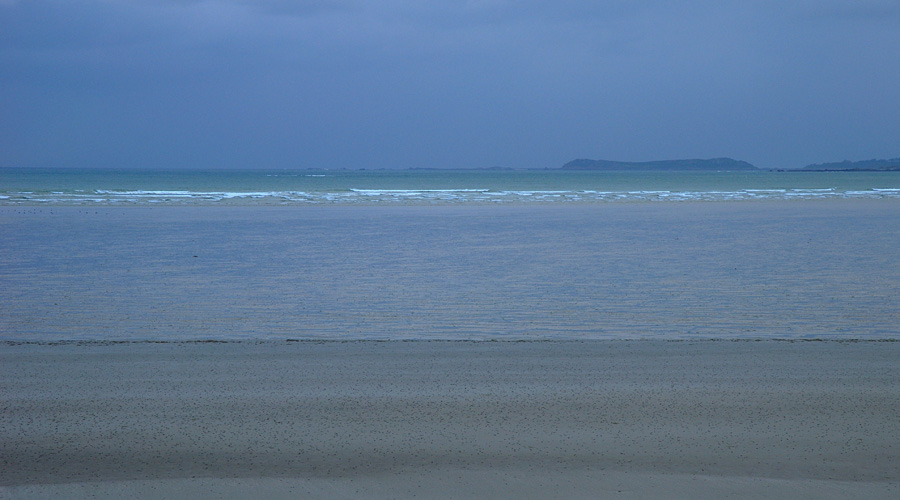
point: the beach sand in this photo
(596, 419)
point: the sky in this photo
(445, 84)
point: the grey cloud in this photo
(853, 11)
(520, 83)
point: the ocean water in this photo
(391, 267)
(428, 187)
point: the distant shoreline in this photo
(726, 164)
(723, 164)
(842, 170)
(713, 164)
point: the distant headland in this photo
(713, 164)
(848, 166)
(727, 164)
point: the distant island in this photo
(864, 165)
(713, 164)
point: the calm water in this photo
(729, 270)
(96, 254)
(93, 187)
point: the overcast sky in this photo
(445, 84)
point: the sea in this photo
(19, 186)
(467, 255)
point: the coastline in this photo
(542, 419)
(644, 350)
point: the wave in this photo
(424, 196)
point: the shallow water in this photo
(810, 269)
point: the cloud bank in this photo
(398, 84)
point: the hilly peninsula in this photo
(713, 164)
(864, 165)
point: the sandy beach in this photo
(599, 419)
(333, 249)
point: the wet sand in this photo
(597, 419)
